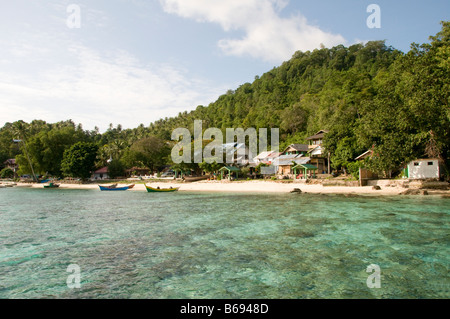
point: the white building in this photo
(422, 169)
(101, 173)
(266, 157)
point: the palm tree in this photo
(19, 130)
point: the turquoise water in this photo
(211, 245)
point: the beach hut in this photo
(365, 174)
(229, 169)
(101, 173)
(304, 168)
(423, 169)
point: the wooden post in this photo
(328, 162)
(360, 177)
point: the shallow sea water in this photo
(221, 245)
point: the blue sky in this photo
(134, 61)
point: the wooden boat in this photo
(130, 186)
(113, 188)
(162, 190)
(51, 185)
(190, 179)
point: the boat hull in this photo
(105, 188)
(51, 185)
(190, 179)
(161, 190)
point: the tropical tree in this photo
(151, 151)
(79, 160)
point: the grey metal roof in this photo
(288, 159)
(318, 135)
(298, 147)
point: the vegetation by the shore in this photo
(367, 96)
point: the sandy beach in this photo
(254, 187)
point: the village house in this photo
(261, 157)
(290, 156)
(284, 163)
(266, 157)
(296, 149)
(365, 174)
(239, 153)
(423, 169)
(101, 174)
(235, 150)
(317, 154)
(12, 165)
(316, 139)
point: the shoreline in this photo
(268, 187)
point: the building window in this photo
(416, 163)
(430, 163)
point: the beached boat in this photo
(7, 185)
(113, 188)
(190, 179)
(51, 185)
(163, 190)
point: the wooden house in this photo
(364, 173)
(11, 164)
(319, 158)
(296, 149)
(316, 139)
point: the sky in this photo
(132, 62)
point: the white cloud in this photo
(97, 89)
(268, 36)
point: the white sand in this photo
(245, 186)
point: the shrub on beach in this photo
(6, 173)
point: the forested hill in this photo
(307, 93)
(367, 96)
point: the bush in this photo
(353, 168)
(116, 169)
(6, 173)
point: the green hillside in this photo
(367, 96)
